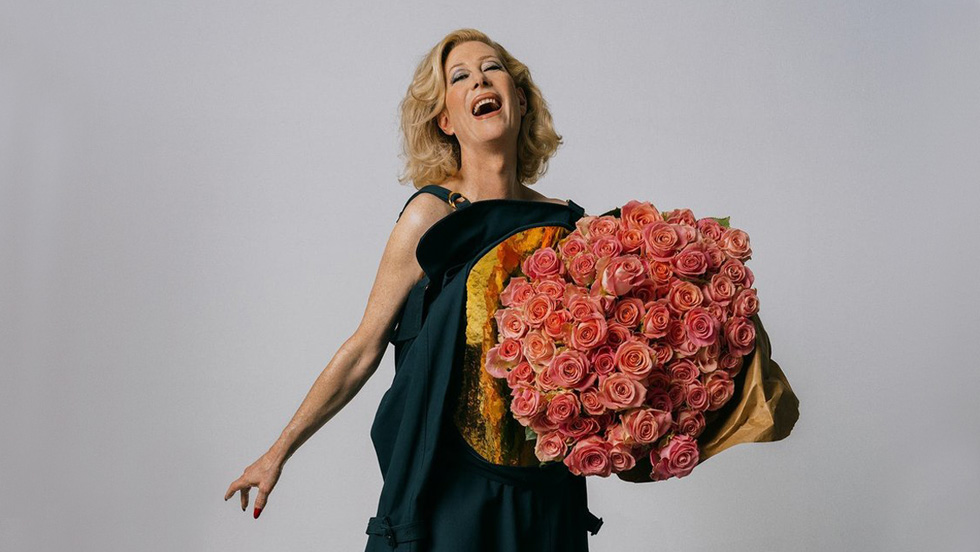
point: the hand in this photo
(263, 473)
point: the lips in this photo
(481, 97)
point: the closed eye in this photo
(463, 74)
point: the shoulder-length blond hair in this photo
(430, 155)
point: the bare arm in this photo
(358, 357)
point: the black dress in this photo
(458, 474)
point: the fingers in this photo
(245, 497)
(260, 501)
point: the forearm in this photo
(336, 385)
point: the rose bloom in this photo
(517, 291)
(637, 214)
(526, 402)
(731, 363)
(542, 263)
(571, 370)
(590, 456)
(591, 403)
(720, 289)
(600, 226)
(552, 286)
(690, 422)
(631, 239)
(501, 359)
(661, 241)
(710, 228)
(617, 334)
(659, 399)
(582, 268)
(746, 303)
(739, 334)
(702, 328)
(579, 427)
(550, 446)
(540, 423)
(691, 261)
(683, 370)
(655, 320)
(634, 358)
(510, 322)
(537, 308)
(603, 359)
(558, 325)
(628, 311)
(619, 391)
(582, 306)
(520, 375)
(707, 357)
(737, 272)
(677, 459)
(545, 379)
(720, 388)
(563, 407)
(696, 396)
(589, 332)
(684, 296)
(621, 274)
(538, 349)
(646, 425)
(621, 457)
(571, 246)
(735, 243)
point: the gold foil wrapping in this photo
(482, 413)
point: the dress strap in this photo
(454, 199)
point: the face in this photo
(473, 72)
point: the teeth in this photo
(483, 101)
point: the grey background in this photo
(194, 197)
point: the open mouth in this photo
(486, 106)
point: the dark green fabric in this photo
(438, 494)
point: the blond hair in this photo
(430, 155)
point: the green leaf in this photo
(529, 434)
(722, 221)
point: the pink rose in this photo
(520, 375)
(590, 456)
(501, 358)
(571, 246)
(552, 286)
(537, 308)
(691, 261)
(628, 311)
(603, 359)
(655, 320)
(550, 446)
(702, 328)
(582, 306)
(690, 422)
(720, 289)
(517, 291)
(601, 226)
(619, 391)
(683, 370)
(659, 399)
(684, 296)
(563, 407)
(591, 403)
(616, 434)
(571, 370)
(696, 395)
(720, 388)
(589, 332)
(582, 268)
(709, 227)
(510, 323)
(678, 457)
(545, 379)
(737, 272)
(661, 241)
(631, 239)
(579, 427)
(735, 243)
(526, 402)
(634, 358)
(637, 214)
(538, 349)
(623, 273)
(606, 246)
(543, 262)
(621, 458)
(739, 335)
(540, 423)
(646, 425)
(746, 303)
(731, 363)
(557, 325)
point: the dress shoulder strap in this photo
(455, 199)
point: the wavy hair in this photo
(431, 156)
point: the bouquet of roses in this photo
(621, 340)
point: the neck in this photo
(488, 174)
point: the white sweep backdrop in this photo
(194, 197)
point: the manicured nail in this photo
(256, 513)
(243, 507)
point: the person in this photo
(458, 475)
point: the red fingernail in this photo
(256, 513)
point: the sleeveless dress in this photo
(458, 473)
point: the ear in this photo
(444, 123)
(523, 100)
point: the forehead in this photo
(469, 51)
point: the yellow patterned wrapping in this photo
(482, 412)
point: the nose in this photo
(481, 79)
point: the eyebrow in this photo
(481, 59)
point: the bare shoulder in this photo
(398, 270)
